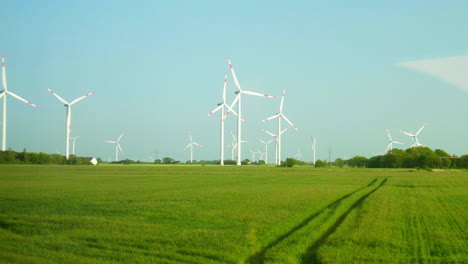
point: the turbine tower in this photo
(280, 116)
(68, 120)
(191, 146)
(4, 94)
(221, 107)
(73, 139)
(314, 142)
(414, 137)
(266, 148)
(239, 116)
(390, 145)
(117, 146)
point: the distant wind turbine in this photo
(68, 120)
(117, 146)
(391, 141)
(266, 148)
(414, 137)
(314, 143)
(73, 139)
(4, 94)
(239, 116)
(276, 141)
(280, 116)
(298, 155)
(191, 146)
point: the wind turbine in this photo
(191, 146)
(117, 146)
(414, 137)
(234, 144)
(391, 141)
(276, 141)
(239, 116)
(4, 94)
(73, 140)
(68, 120)
(281, 116)
(221, 106)
(314, 143)
(266, 148)
(298, 155)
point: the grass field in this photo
(248, 214)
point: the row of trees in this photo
(420, 157)
(13, 157)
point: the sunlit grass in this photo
(230, 214)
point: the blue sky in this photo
(157, 68)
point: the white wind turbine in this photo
(221, 107)
(234, 144)
(314, 143)
(73, 139)
(280, 116)
(191, 146)
(4, 94)
(298, 154)
(414, 137)
(276, 141)
(68, 120)
(117, 146)
(239, 116)
(266, 148)
(391, 141)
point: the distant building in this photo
(93, 160)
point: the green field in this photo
(230, 214)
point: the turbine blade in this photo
(187, 146)
(224, 88)
(388, 147)
(58, 97)
(121, 135)
(271, 117)
(258, 94)
(406, 133)
(398, 142)
(196, 144)
(269, 133)
(233, 136)
(289, 122)
(388, 133)
(284, 130)
(108, 141)
(214, 111)
(120, 148)
(282, 100)
(421, 129)
(4, 83)
(259, 139)
(81, 98)
(21, 99)
(232, 105)
(2, 94)
(236, 82)
(232, 111)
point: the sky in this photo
(351, 70)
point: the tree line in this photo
(24, 157)
(419, 157)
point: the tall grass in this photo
(213, 214)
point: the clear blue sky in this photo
(157, 69)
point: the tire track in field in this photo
(311, 255)
(259, 256)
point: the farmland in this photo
(248, 214)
